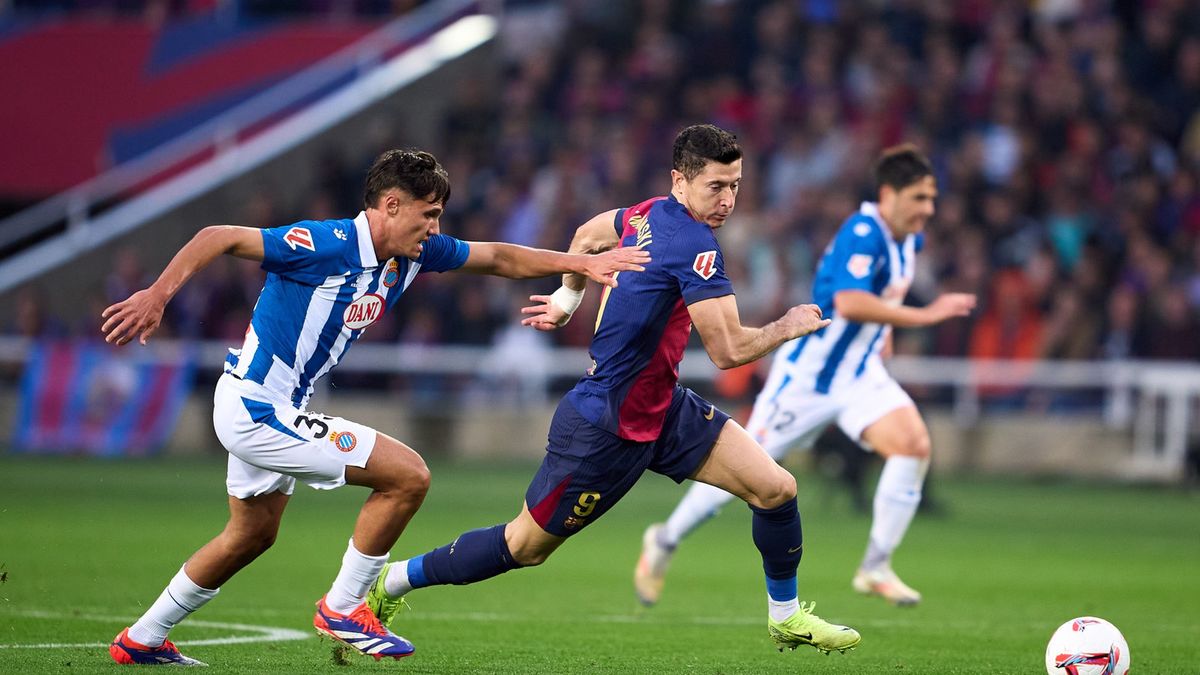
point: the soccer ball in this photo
(1087, 646)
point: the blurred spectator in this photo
(1065, 137)
(1010, 326)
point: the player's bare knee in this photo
(918, 446)
(409, 484)
(250, 542)
(775, 491)
(417, 480)
(528, 555)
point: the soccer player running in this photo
(838, 375)
(327, 281)
(628, 414)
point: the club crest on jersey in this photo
(344, 440)
(392, 275)
(859, 265)
(705, 264)
(363, 312)
(299, 236)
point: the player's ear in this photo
(678, 180)
(887, 194)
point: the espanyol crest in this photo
(392, 275)
(363, 312)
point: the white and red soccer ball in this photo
(1087, 646)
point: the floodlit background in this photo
(1066, 139)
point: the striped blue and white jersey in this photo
(863, 256)
(324, 288)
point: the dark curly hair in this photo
(700, 144)
(414, 171)
(900, 166)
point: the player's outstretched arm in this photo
(521, 262)
(730, 344)
(548, 312)
(139, 314)
(577, 265)
(864, 307)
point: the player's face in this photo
(410, 221)
(909, 209)
(710, 196)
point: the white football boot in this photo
(651, 570)
(882, 581)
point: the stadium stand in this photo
(1066, 137)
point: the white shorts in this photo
(271, 444)
(795, 417)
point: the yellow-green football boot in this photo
(384, 606)
(806, 628)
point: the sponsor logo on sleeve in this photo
(705, 264)
(299, 237)
(859, 265)
(363, 312)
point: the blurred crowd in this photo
(156, 11)
(159, 11)
(1065, 135)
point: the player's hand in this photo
(543, 314)
(802, 320)
(136, 316)
(951, 305)
(602, 266)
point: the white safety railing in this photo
(1153, 399)
(245, 136)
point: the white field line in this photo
(261, 633)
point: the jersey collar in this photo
(871, 210)
(366, 247)
(686, 210)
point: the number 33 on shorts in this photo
(317, 425)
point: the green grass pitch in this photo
(85, 545)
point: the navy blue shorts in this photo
(587, 469)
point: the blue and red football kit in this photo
(629, 413)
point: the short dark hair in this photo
(900, 166)
(414, 171)
(700, 144)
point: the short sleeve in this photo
(695, 261)
(619, 222)
(307, 251)
(442, 253)
(857, 252)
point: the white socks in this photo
(396, 584)
(358, 572)
(180, 598)
(701, 502)
(782, 609)
(896, 500)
